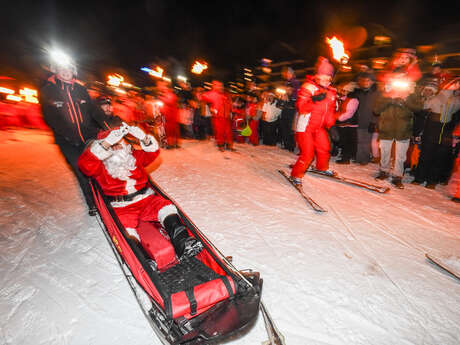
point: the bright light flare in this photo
(159, 103)
(199, 67)
(60, 58)
(14, 98)
(157, 72)
(6, 90)
(120, 91)
(182, 78)
(30, 95)
(338, 50)
(399, 84)
(115, 80)
(280, 91)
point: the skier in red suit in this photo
(316, 107)
(454, 183)
(120, 172)
(221, 105)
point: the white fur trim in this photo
(153, 144)
(133, 232)
(135, 199)
(130, 183)
(166, 211)
(100, 152)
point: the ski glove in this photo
(116, 135)
(137, 132)
(319, 97)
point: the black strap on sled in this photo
(228, 286)
(191, 298)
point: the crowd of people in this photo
(403, 120)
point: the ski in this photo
(450, 264)
(350, 181)
(309, 200)
(274, 335)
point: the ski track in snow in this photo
(354, 275)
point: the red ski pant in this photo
(223, 131)
(142, 216)
(172, 131)
(311, 142)
(254, 137)
(454, 183)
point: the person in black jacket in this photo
(74, 119)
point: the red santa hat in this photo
(324, 67)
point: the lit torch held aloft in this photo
(338, 50)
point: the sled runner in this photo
(197, 300)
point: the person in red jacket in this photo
(120, 171)
(221, 105)
(454, 183)
(170, 112)
(316, 113)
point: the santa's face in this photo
(120, 164)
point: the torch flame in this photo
(199, 67)
(338, 50)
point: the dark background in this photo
(107, 36)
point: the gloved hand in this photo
(318, 97)
(116, 135)
(137, 132)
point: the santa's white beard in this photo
(120, 164)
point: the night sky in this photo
(103, 35)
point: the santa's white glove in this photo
(116, 135)
(137, 132)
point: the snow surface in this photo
(354, 275)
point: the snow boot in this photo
(397, 182)
(382, 175)
(296, 181)
(183, 244)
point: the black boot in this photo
(382, 175)
(397, 182)
(183, 244)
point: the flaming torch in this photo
(338, 50)
(198, 67)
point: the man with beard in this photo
(120, 172)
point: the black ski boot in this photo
(397, 182)
(382, 175)
(184, 245)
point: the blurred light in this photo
(14, 98)
(120, 91)
(167, 79)
(266, 62)
(6, 90)
(60, 58)
(247, 79)
(146, 69)
(248, 74)
(281, 91)
(382, 40)
(338, 50)
(182, 78)
(198, 67)
(248, 70)
(157, 72)
(30, 95)
(400, 84)
(114, 80)
(266, 70)
(159, 103)
(127, 84)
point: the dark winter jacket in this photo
(69, 111)
(365, 111)
(396, 116)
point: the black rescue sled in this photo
(200, 300)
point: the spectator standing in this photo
(289, 109)
(271, 112)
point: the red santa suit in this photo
(314, 117)
(221, 105)
(171, 113)
(121, 173)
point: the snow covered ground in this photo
(354, 275)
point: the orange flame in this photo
(338, 50)
(199, 67)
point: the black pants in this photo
(286, 130)
(436, 154)
(363, 145)
(204, 127)
(71, 154)
(270, 132)
(347, 142)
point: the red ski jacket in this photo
(322, 112)
(220, 103)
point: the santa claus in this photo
(119, 170)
